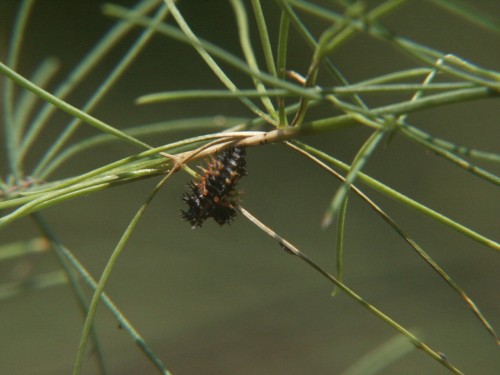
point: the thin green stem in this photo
(102, 90)
(87, 63)
(417, 248)
(106, 274)
(205, 55)
(129, 169)
(215, 94)
(246, 46)
(339, 246)
(210, 48)
(414, 132)
(440, 151)
(35, 283)
(468, 11)
(68, 108)
(11, 136)
(428, 102)
(383, 9)
(27, 101)
(68, 257)
(391, 77)
(422, 53)
(311, 41)
(331, 38)
(452, 157)
(339, 34)
(401, 198)
(23, 248)
(399, 87)
(73, 280)
(265, 41)
(293, 250)
(282, 55)
(377, 360)
(146, 130)
(359, 161)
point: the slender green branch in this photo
(265, 41)
(311, 41)
(246, 46)
(33, 283)
(427, 102)
(71, 276)
(105, 276)
(146, 130)
(211, 49)
(11, 135)
(414, 132)
(27, 102)
(293, 250)
(339, 246)
(385, 8)
(66, 107)
(437, 100)
(204, 52)
(393, 76)
(215, 94)
(452, 157)
(401, 87)
(129, 169)
(359, 161)
(468, 11)
(281, 68)
(377, 360)
(401, 198)
(422, 53)
(67, 256)
(22, 248)
(417, 248)
(87, 63)
(102, 90)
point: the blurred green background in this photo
(228, 300)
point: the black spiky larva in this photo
(214, 194)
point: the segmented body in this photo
(214, 194)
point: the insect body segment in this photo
(214, 194)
